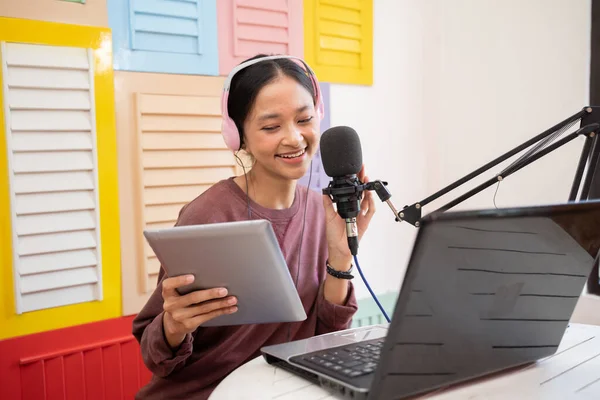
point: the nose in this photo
(294, 137)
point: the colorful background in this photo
(110, 119)
(110, 123)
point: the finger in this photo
(361, 173)
(365, 203)
(329, 210)
(170, 284)
(367, 211)
(198, 296)
(201, 319)
(183, 314)
(372, 207)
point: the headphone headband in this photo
(248, 63)
(229, 130)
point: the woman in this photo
(272, 111)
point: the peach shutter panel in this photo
(338, 40)
(171, 150)
(91, 13)
(249, 27)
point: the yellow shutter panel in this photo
(59, 236)
(338, 40)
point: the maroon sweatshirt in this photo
(210, 353)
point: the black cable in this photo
(301, 241)
(241, 164)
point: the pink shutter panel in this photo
(250, 27)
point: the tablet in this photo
(243, 257)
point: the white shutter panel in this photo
(52, 166)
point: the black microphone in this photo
(341, 155)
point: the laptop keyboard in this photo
(350, 361)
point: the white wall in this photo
(457, 83)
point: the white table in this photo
(572, 373)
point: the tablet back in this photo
(243, 257)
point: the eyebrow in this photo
(276, 115)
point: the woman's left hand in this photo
(340, 257)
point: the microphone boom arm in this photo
(413, 213)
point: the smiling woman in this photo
(272, 109)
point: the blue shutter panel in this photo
(168, 36)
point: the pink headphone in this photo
(229, 130)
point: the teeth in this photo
(298, 154)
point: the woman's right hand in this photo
(184, 314)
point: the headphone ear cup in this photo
(230, 134)
(229, 130)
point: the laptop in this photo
(484, 291)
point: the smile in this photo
(294, 155)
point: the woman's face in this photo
(281, 130)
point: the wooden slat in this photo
(46, 56)
(58, 279)
(263, 17)
(264, 34)
(182, 123)
(32, 99)
(53, 182)
(54, 161)
(275, 5)
(48, 79)
(162, 213)
(50, 262)
(190, 159)
(63, 241)
(188, 176)
(182, 141)
(59, 297)
(153, 265)
(51, 141)
(340, 14)
(179, 105)
(58, 222)
(50, 120)
(55, 202)
(338, 59)
(350, 4)
(160, 225)
(173, 194)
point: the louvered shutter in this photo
(170, 151)
(338, 40)
(250, 27)
(90, 13)
(165, 36)
(182, 155)
(52, 167)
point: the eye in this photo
(304, 121)
(270, 128)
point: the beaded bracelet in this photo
(340, 274)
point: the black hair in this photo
(246, 84)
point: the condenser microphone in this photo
(341, 155)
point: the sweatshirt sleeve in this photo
(333, 317)
(157, 354)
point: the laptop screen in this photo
(486, 291)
